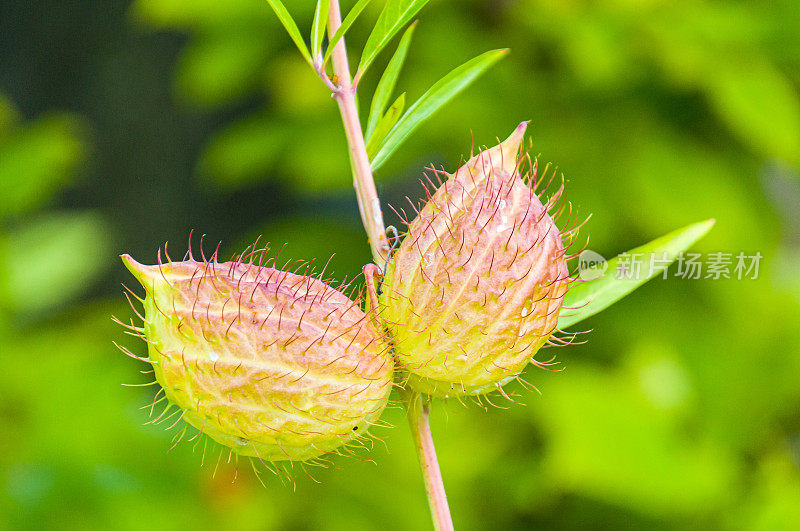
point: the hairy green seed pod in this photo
(271, 364)
(475, 288)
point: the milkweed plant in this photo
(282, 366)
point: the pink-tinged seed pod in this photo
(272, 364)
(475, 288)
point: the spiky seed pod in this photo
(269, 363)
(475, 288)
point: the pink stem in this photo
(417, 411)
(368, 203)
(370, 208)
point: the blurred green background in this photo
(124, 125)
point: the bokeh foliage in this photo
(682, 408)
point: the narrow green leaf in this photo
(589, 297)
(385, 124)
(318, 27)
(439, 94)
(346, 23)
(388, 81)
(291, 28)
(395, 15)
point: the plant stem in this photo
(369, 206)
(417, 413)
(368, 203)
(417, 410)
